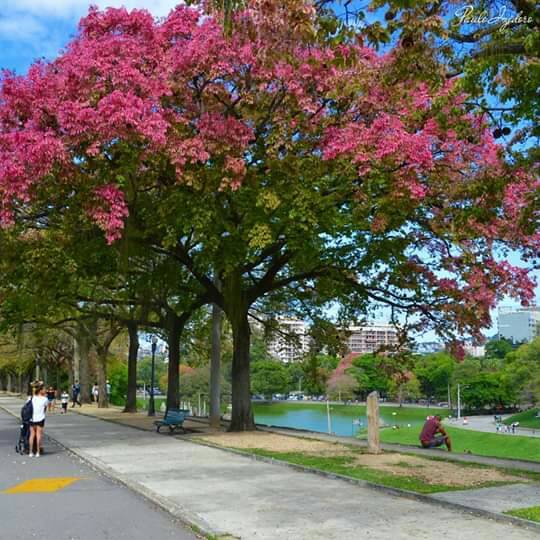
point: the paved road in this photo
(255, 500)
(93, 508)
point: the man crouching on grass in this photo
(429, 437)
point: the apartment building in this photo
(291, 342)
(372, 337)
(519, 324)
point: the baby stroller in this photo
(23, 445)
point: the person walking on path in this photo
(51, 396)
(37, 424)
(75, 392)
(64, 398)
(429, 437)
(95, 393)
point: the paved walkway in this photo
(26, 512)
(486, 424)
(496, 499)
(226, 493)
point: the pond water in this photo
(345, 420)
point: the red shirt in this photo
(430, 428)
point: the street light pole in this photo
(151, 405)
(458, 401)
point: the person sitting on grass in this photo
(429, 437)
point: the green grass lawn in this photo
(343, 465)
(403, 414)
(475, 442)
(526, 419)
(532, 513)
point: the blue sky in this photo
(33, 29)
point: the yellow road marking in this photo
(42, 485)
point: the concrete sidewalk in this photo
(223, 493)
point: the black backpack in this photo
(27, 411)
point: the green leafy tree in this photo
(144, 370)
(434, 373)
(404, 386)
(498, 348)
(488, 390)
(368, 370)
(316, 370)
(269, 377)
(522, 369)
(118, 379)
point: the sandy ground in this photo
(426, 470)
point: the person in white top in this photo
(39, 407)
(65, 398)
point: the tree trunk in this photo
(8, 383)
(131, 398)
(103, 400)
(215, 375)
(26, 380)
(85, 335)
(242, 413)
(75, 373)
(175, 327)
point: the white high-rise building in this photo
(291, 342)
(519, 324)
(371, 337)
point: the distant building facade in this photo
(519, 324)
(291, 342)
(371, 337)
(478, 351)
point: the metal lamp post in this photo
(151, 404)
(459, 387)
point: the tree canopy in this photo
(276, 157)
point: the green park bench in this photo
(174, 418)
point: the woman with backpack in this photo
(39, 407)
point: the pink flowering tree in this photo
(280, 156)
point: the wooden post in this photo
(374, 443)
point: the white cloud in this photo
(41, 28)
(77, 8)
(21, 28)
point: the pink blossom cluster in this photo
(110, 211)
